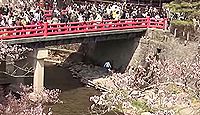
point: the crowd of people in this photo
(25, 13)
(19, 13)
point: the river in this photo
(75, 95)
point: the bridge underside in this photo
(78, 38)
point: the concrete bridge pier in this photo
(38, 80)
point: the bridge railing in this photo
(21, 31)
(95, 26)
(158, 23)
(79, 27)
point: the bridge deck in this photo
(79, 37)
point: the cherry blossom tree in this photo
(158, 87)
(25, 101)
(12, 52)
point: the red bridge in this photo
(39, 36)
(46, 30)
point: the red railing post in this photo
(45, 29)
(100, 24)
(118, 23)
(165, 24)
(148, 21)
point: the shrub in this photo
(29, 103)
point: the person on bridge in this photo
(108, 66)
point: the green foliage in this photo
(180, 1)
(190, 10)
(195, 14)
(181, 23)
(183, 7)
(141, 105)
(187, 7)
(196, 5)
(186, 26)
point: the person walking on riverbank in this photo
(108, 66)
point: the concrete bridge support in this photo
(38, 80)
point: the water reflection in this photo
(74, 95)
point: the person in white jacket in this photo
(108, 66)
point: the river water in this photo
(75, 95)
